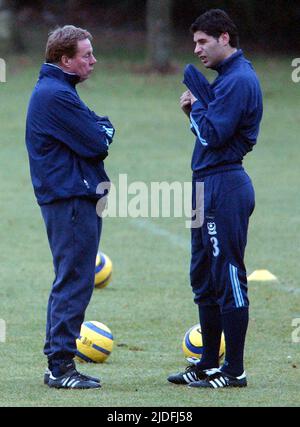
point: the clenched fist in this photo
(186, 101)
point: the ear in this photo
(224, 39)
(66, 61)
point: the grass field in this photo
(148, 306)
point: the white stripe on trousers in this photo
(236, 287)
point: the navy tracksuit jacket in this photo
(225, 119)
(66, 141)
(67, 144)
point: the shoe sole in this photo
(171, 382)
(207, 385)
(58, 386)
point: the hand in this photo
(193, 99)
(185, 102)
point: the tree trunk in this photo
(159, 34)
(11, 33)
(5, 21)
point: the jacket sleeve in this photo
(198, 84)
(105, 124)
(74, 125)
(217, 122)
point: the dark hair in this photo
(215, 22)
(63, 41)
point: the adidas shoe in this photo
(88, 377)
(191, 374)
(71, 378)
(218, 379)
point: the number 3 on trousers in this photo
(215, 243)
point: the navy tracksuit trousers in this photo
(217, 271)
(74, 230)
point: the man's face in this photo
(209, 50)
(83, 62)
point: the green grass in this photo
(148, 306)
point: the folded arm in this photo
(74, 125)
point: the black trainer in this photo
(71, 378)
(218, 379)
(191, 374)
(88, 377)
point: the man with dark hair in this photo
(67, 143)
(216, 22)
(225, 118)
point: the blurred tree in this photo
(3, 20)
(5, 23)
(263, 24)
(10, 25)
(158, 21)
(16, 27)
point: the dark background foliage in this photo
(272, 25)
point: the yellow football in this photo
(192, 345)
(103, 270)
(95, 342)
